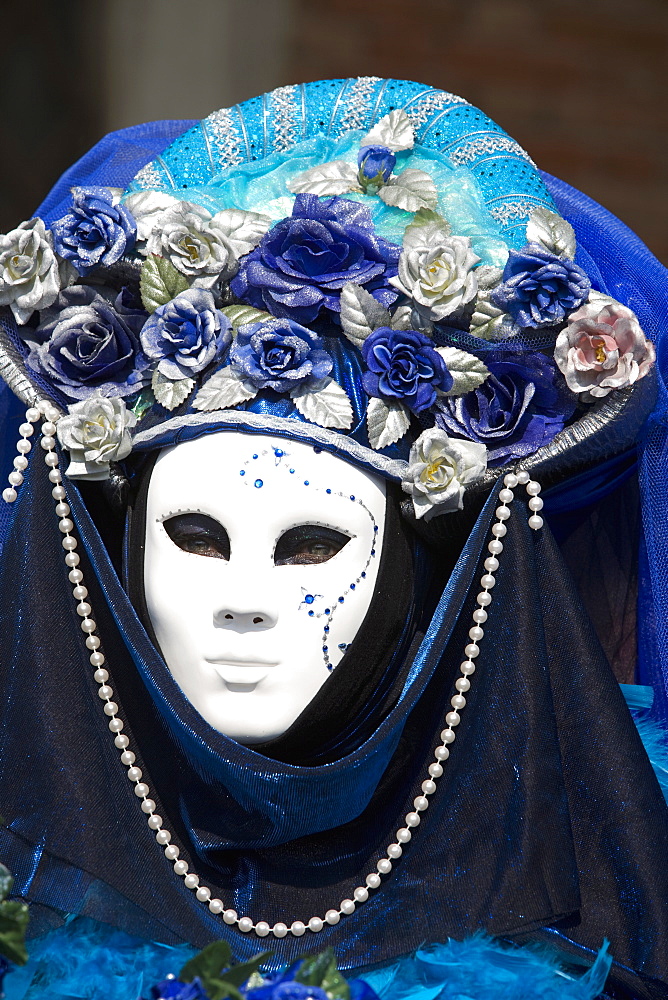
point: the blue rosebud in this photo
(403, 365)
(186, 335)
(519, 407)
(540, 289)
(279, 354)
(300, 266)
(375, 163)
(95, 232)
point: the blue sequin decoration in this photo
(309, 598)
(258, 483)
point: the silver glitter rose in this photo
(96, 432)
(439, 467)
(30, 272)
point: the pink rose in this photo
(602, 347)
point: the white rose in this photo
(146, 208)
(96, 432)
(439, 279)
(30, 272)
(439, 467)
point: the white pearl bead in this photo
(476, 633)
(503, 513)
(204, 895)
(48, 428)
(110, 708)
(499, 530)
(510, 480)
(141, 790)
(154, 821)
(230, 916)
(420, 802)
(452, 719)
(535, 503)
(347, 907)
(9, 495)
(333, 916)
(51, 413)
(535, 522)
(523, 478)
(84, 609)
(403, 835)
(447, 736)
(428, 787)
(121, 741)
(216, 905)
(55, 476)
(491, 564)
(472, 650)
(458, 701)
(92, 642)
(88, 625)
(20, 463)
(79, 593)
(361, 894)
(297, 927)
(315, 924)
(58, 493)
(32, 415)
(47, 442)
(69, 543)
(394, 851)
(435, 770)
(128, 758)
(23, 447)
(191, 881)
(51, 459)
(495, 547)
(462, 684)
(105, 692)
(533, 488)
(172, 852)
(412, 819)
(116, 725)
(163, 837)
(181, 867)
(262, 928)
(15, 478)
(506, 496)
(134, 774)
(384, 866)
(484, 599)
(373, 880)
(96, 659)
(246, 925)
(280, 929)
(65, 524)
(72, 559)
(75, 576)
(441, 753)
(100, 676)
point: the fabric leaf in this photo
(160, 282)
(361, 313)
(488, 276)
(241, 315)
(328, 406)
(222, 390)
(551, 232)
(467, 371)
(410, 191)
(320, 970)
(6, 882)
(387, 422)
(489, 322)
(244, 230)
(336, 177)
(426, 229)
(13, 926)
(394, 131)
(168, 393)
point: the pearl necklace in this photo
(105, 692)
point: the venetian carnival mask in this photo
(259, 567)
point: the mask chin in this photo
(258, 562)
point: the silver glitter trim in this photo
(358, 103)
(14, 372)
(150, 177)
(284, 116)
(427, 106)
(245, 420)
(224, 137)
(512, 211)
(486, 146)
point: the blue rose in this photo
(520, 406)
(284, 987)
(185, 335)
(375, 163)
(279, 354)
(175, 989)
(88, 341)
(403, 365)
(539, 289)
(95, 232)
(300, 266)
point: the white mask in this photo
(249, 621)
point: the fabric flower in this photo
(518, 408)
(403, 365)
(175, 989)
(88, 341)
(95, 232)
(439, 279)
(439, 467)
(540, 289)
(302, 263)
(603, 348)
(283, 986)
(375, 163)
(96, 432)
(279, 354)
(185, 335)
(195, 242)
(30, 274)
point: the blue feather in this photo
(655, 742)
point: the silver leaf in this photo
(489, 322)
(467, 371)
(336, 177)
(242, 315)
(243, 230)
(361, 313)
(411, 190)
(222, 390)
(488, 277)
(427, 229)
(168, 393)
(328, 406)
(551, 232)
(394, 131)
(386, 422)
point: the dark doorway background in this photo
(583, 86)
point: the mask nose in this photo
(244, 620)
